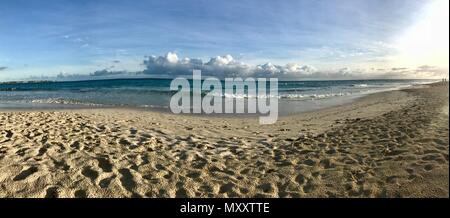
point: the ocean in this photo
(294, 96)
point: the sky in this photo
(334, 39)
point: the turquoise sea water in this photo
(294, 96)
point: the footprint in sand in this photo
(42, 150)
(104, 164)
(428, 167)
(133, 131)
(51, 192)
(301, 179)
(75, 145)
(90, 173)
(194, 175)
(9, 134)
(24, 174)
(181, 193)
(104, 183)
(225, 188)
(124, 142)
(61, 164)
(127, 179)
(266, 187)
(21, 152)
(80, 194)
(199, 163)
(309, 162)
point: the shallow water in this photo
(293, 96)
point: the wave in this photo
(359, 85)
(8, 89)
(423, 83)
(315, 96)
(81, 103)
(154, 106)
(63, 101)
(291, 96)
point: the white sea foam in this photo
(360, 85)
(62, 101)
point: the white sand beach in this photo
(389, 144)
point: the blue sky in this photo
(47, 37)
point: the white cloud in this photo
(221, 60)
(221, 66)
(172, 57)
(171, 65)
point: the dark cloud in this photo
(431, 71)
(398, 68)
(100, 74)
(426, 68)
(3, 68)
(106, 72)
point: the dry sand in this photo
(390, 144)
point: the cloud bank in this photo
(221, 66)
(171, 66)
(226, 66)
